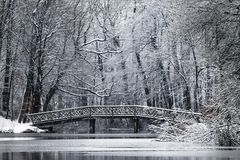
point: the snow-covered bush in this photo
(224, 121)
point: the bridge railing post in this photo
(112, 111)
(135, 112)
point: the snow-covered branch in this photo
(100, 93)
(100, 52)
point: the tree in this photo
(218, 23)
(9, 38)
(43, 27)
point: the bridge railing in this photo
(102, 111)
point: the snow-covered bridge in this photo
(106, 111)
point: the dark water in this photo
(99, 156)
(74, 136)
(66, 156)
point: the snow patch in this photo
(183, 132)
(8, 126)
(198, 133)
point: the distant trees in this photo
(173, 54)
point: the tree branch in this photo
(100, 52)
(97, 93)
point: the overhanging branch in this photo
(97, 93)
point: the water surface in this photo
(107, 147)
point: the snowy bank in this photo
(8, 126)
(199, 133)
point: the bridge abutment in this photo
(92, 125)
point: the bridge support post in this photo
(136, 125)
(92, 125)
(50, 129)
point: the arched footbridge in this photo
(107, 111)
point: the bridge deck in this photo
(110, 111)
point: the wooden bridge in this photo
(106, 111)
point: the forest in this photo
(174, 54)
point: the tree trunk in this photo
(145, 85)
(187, 98)
(6, 89)
(2, 24)
(38, 86)
(139, 63)
(49, 96)
(196, 105)
(1, 38)
(125, 82)
(209, 92)
(166, 86)
(28, 95)
(12, 85)
(61, 73)
(40, 47)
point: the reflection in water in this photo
(86, 156)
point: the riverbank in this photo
(199, 133)
(8, 126)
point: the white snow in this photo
(199, 133)
(16, 138)
(8, 126)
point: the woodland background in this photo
(184, 54)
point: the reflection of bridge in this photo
(106, 111)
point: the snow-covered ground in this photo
(8, 126)
(199, 133)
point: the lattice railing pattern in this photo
(104, 112)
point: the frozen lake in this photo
(106, 147)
